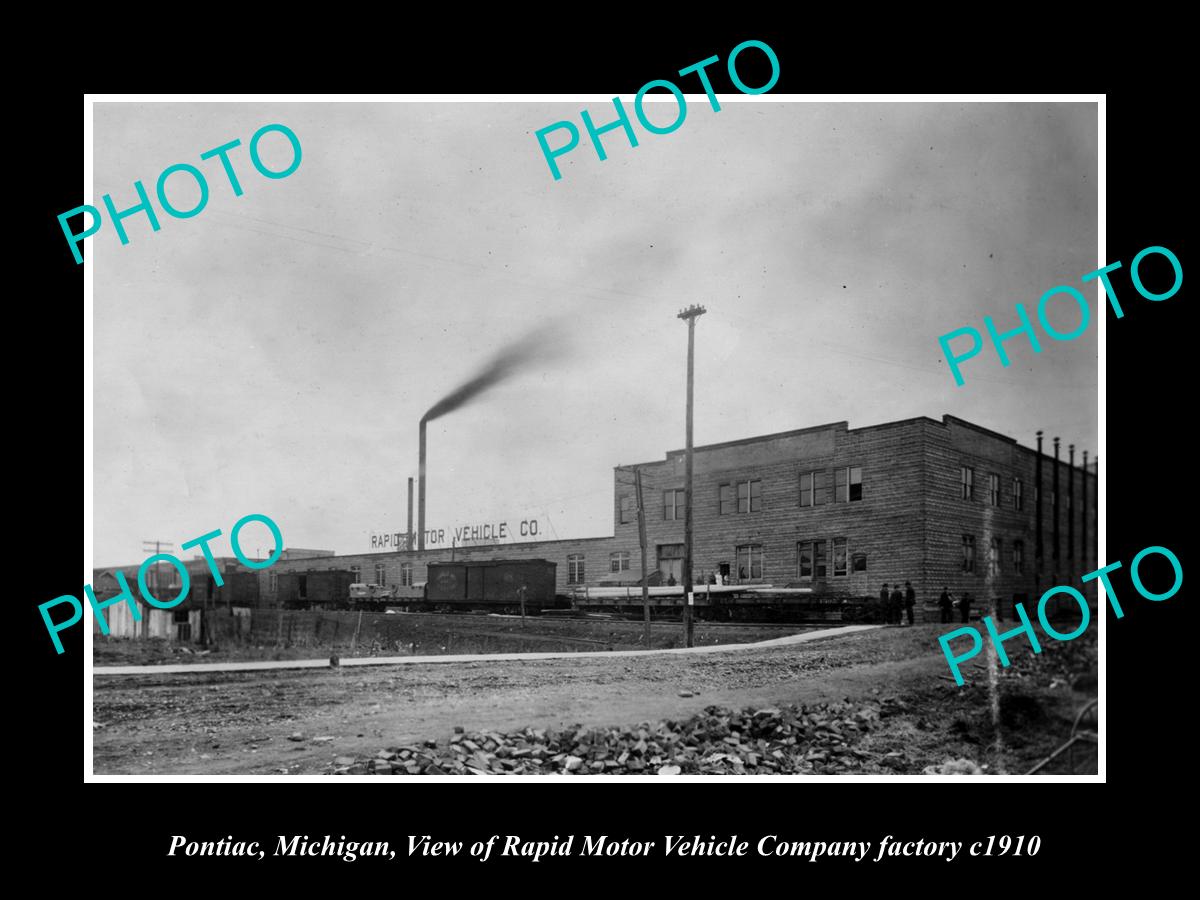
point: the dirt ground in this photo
(296, 722)
(431, 634)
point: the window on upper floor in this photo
(673, 504)
(726, 499)
(968, 483)
(1018, 494)
(749, 496)
(806, 488)
(628, 510)
(994, 489)
(814, 488)
(847, 484)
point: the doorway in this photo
(670, 563)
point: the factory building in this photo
(831, 509)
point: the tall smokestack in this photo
(1083, 509)
(1071, 502)
(1056, 504)
(421, 491)
(1037, 499)
(408, 543)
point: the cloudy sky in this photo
(274, 353)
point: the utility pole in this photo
(641, 509)
(637, 477)
(689, 315)
(159, 546)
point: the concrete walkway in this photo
(468, 657)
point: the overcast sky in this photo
(274, 353)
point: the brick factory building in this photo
(837, 510)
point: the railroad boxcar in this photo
(314, 589)
(492, 584)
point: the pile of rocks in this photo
(788, 740)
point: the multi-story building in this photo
(837, 510)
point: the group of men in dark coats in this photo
(947, 602)
(897, 603)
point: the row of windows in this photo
(406, 574)
(746, 496)
(967, 489)
(1016, 495)
(995, 556)
(847, 486)
(812, 561)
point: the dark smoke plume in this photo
(541, 345)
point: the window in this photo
(380, 574)
(211, 585)
(406, 574)
(847, 484)
(273, 582)
(811, 559)
(575, 568)
(673, 504)
(839, 556)
(1019, 557)
(968, 561)
(1018, 489)
(302, 587)
(749, 561)
(356, 574)
(806, 488)
(618, 562)
(968, 483)
(994, 489)
(628, 513)
(994, 556)
(858, 562)
(804, 560)
(749, 496)
(814, 486)
(726, 499)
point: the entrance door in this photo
(671, 569)
(670, 562)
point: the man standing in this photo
(946, 605)
(897, 603)
(885, 605)
(964, 604)
(910, 600)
